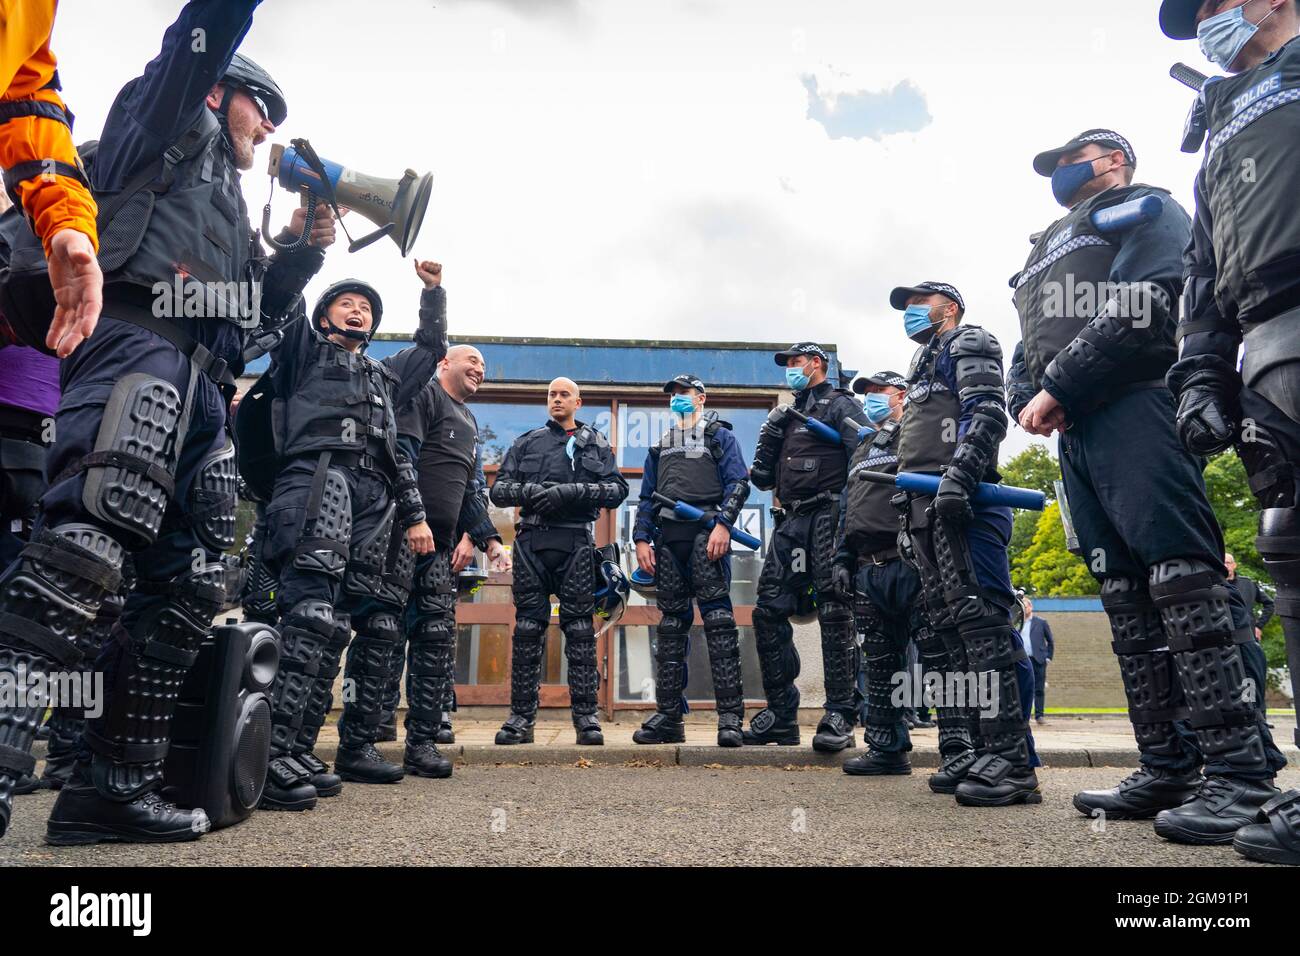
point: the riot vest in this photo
(928, 437)
(343, 403)
(180, 231)
(688, 463)
(1065, 284)
(809, 466)
(870, 521)
(1251, 183)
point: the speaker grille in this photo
(252, 752)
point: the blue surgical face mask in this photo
(877, 407)
(682, 405)
(1224, 35)
(796, 379)
(1068, 180)
(917, 324)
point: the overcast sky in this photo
(693, 169)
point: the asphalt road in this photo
(636, 815)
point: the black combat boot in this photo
(878, 763)
(587, 730)
(424, 760)
(516, 730)
(1221, 807)
(1141, 795)
(769, 727)
(834, 733)
(1275, 836)
(288, 786)
(362, 763)
(445, 734)
(665, 725)
(661, 728)
(731, 729)
(325, 783)
(952, 771)
(82, 816)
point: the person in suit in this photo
(1039, 645)
(1252, 595)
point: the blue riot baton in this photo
(1000, 496)
(1128, 215)
(824, 432)
(691, 513)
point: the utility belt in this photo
(135, 306)
(531, 522)
(878, 558)
(23, 424)
(805, 505)
(1270, 344)
(373, 460)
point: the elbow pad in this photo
(978, 449)
(406, 491)
(734, 502)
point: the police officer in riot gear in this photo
(343, 526)
(142, 461)
(560, 476)
(439, 433)
(1097, 315)
(1242, 285)
(698, 461)
(808, 473)
(954, 425)
(887, 608)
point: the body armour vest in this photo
(1251, 182)
(184, 237)
(809, 466)
(928, 437)
(870, 521)
(688, 464)
(1066, 283)
(343, 403)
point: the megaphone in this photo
(397, 206)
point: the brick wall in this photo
(1084, 672)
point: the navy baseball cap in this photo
(898, 298)
(685, 380)
(1178, 18)
(1045, 162)
(881, 380)
(802, 348)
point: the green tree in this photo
(1046, 568)
(1035, 467)
(1238, 514)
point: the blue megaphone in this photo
(397, 206)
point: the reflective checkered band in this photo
(1110, 135)
(944, 289)
(1056, 255)
(1252, 113)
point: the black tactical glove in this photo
(842, 582)
(557, 498)
(1205, 415)
(952, 503)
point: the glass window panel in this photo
(636, 666)
(500, 423)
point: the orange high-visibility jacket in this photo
(52, 196)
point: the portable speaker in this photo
(221, 734)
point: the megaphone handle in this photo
(301, 242)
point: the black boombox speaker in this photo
(221, 734)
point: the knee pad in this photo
(130, 474)
(54, 590)
(834, 614)
(435, 590)
(1193, 601)
(327, 534)
(172, 630)
(212, 500)
(367, 555)
(1279, 547)
(579, 582)
(708, 576)
(399, 571)
(529, 631)
(1134, 619)
(771, 627)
